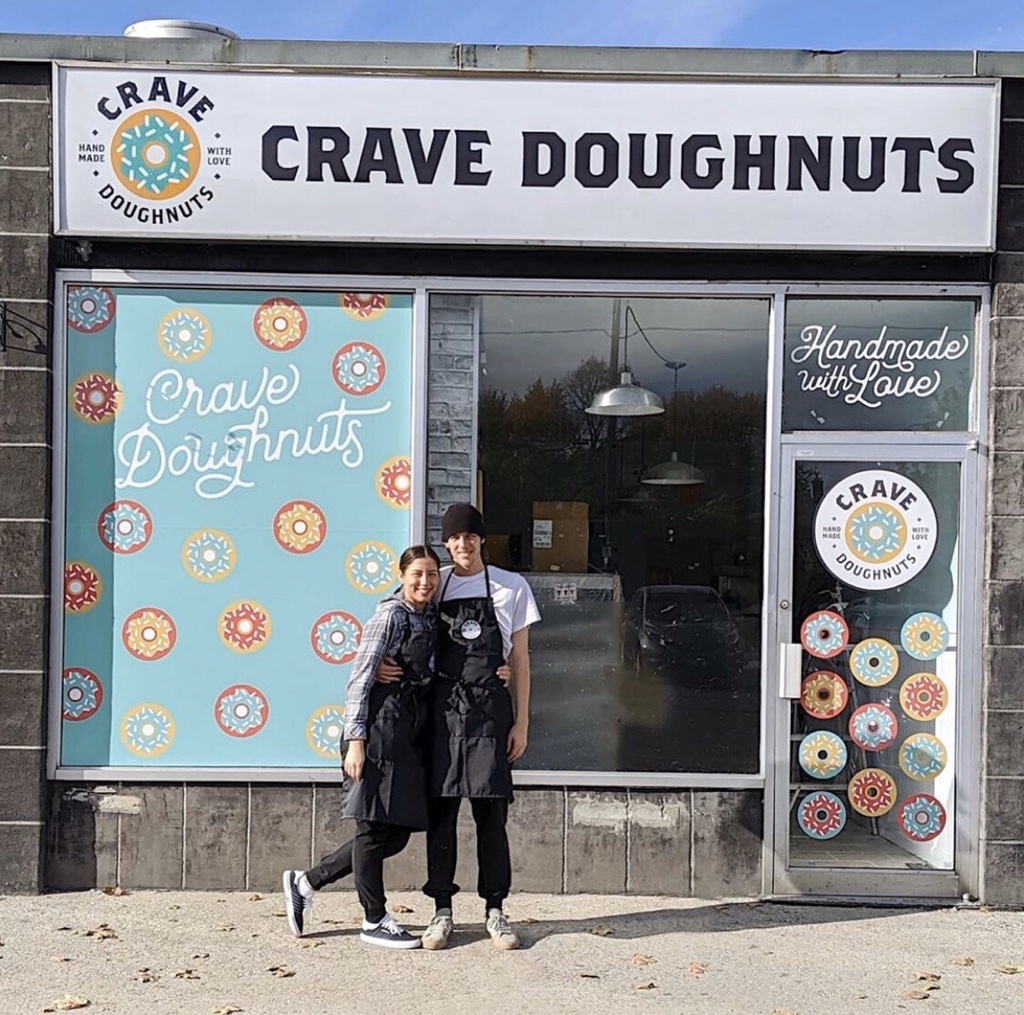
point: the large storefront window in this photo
(642, 536)
(237, 492)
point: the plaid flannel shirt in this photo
(383, 635)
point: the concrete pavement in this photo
(199, 953)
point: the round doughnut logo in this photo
(280, 324)
(875, 530)
(241, 710)
(155, 154)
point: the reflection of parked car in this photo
(681, 631)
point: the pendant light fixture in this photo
(627, 398)
(673, 473)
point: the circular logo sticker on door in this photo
(875, 529)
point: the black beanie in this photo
(462, 518)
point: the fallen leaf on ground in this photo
(961, 960)
(399, 908)
(102, 933)
(641, 960)
(255, 897)
(984, 908)
(601, 931)
(915, 995)
(69, 1002)
(650, 985)
(201, 955)
(1010, 970)
(146, 975)
(227, 926)
(280, 971)
(281, 912)
(721, 906)
(697, 968)
(754, 905)
(61, 958)
(175, 906)
(62, 928)
(310, 944)
(186, 974)
(226, 1009)
(116, 890)
(588, 976)
(930, 977)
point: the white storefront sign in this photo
(875, 530)
(183, 154)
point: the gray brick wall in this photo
(25, 379)
(451, 413)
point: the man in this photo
(479, 726)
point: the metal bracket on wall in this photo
(16, 326)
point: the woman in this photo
(386, 748)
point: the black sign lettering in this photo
(424, 164)
(318, 154)
(638, 174)
(271, 142)
(468, 155)
(535, 142)
(818, 166)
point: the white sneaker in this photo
(435, 937)
(388, 934)
(298, 907)
(501, 932)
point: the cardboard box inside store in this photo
(560, 536)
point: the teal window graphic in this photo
(238, 480)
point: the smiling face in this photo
(464, 548)
(420, 580)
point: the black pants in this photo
(494, 866)
(364, 856)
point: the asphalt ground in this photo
(203, 953)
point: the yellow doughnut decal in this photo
(394, 482)
(147, 730)
(324, 730)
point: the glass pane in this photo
(873, 746)
(879, 364)
(648, 655)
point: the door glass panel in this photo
(875, 598)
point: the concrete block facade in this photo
(25, 382)
(704, 843)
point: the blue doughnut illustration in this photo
(184, 336)
(125, 526)
(925, 636)
(209, 555)
(371, 567)
(873, 727)
(358, 368)
(824, 634)
(822, 754)
(874, 662)
(241, 710)
(90, 308)
(922, 817)
(822, 815)
(155, 154)
(922, 757)
(335, 637)
(876, 532)
(83, 694)
(147, 730)
(324, 729)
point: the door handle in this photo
(790, 669)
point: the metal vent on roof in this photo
(171, 28)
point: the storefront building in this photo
(267, 309)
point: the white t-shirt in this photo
(513, 599)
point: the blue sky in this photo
(810, 24)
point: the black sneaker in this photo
(388, 934)
(297, 906)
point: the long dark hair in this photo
(415, 553)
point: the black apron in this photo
(472, 707)
(393, 788)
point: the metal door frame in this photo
(845, 882)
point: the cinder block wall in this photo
(24, 467)
(1003, 810)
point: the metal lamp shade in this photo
(673, 473)
(626, 399)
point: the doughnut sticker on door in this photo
(875, 529)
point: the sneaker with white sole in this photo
(297, 907)
(500, 931)
(388, 934)
(435, 937)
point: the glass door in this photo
(875, 565)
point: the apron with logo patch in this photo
(472, 707)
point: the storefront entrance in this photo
(871, 726)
